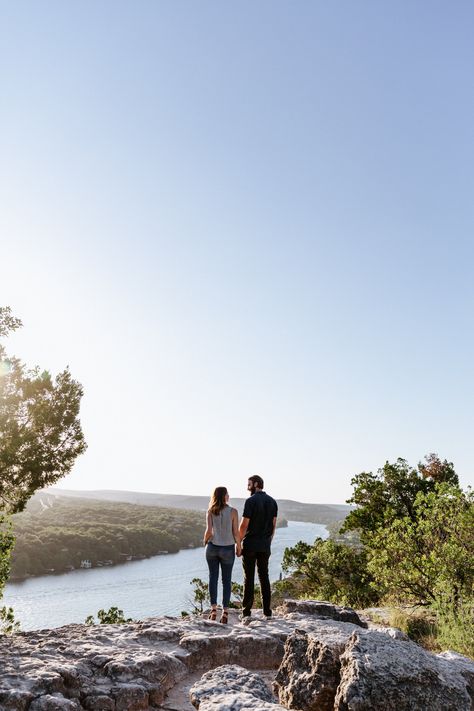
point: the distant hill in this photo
(59, 533)
(291, 510)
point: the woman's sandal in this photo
(224, 617)
(213, 615)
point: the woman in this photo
(222, 531)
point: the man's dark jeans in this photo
(249, 559)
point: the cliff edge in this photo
(311, 656)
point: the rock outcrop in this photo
(325, 657)
(339, 669)
(321, 610)
(234, 688)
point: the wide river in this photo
(141, 588)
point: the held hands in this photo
(238, 550)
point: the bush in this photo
(113, 616)
(8, 625)
(455, 627)
(331, 571)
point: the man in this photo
(257, 528)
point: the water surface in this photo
(141, 588)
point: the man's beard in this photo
(253, 488)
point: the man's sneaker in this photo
(245, 619)
(269, 616)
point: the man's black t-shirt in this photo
(261, 509)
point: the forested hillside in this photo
(291, 510)
(56, 534)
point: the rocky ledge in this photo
(310, 656)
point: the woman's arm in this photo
(208, 531)
(235, 532)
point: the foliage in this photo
(331, 571)
(417, 527)
(336, 534)
(113, 616)
(56, 533)
(40, 434)
(291, 587)
(40, 431)
(8, 625)
(455, 625)
(295, 557)
(200, 598)
(390, 494)
(428, 557)
(7, 541)
(237, 592)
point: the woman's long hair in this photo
(218, 502)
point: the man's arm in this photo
(244, 524)
(274, 527)
(236, 532)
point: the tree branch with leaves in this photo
(40, 431)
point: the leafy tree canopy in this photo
(40, 431)
(390, 494)
(428, 559)
(329, 570)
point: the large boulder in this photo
(341, 667)
(379, 672)
(232, 688)
(254, 648)
(309, 675)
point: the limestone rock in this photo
(323, 610)
(231, 688)
(95, 668)
(98, 703)
(48, 702)
(379, 672)
(256, 649)
(392, 632)
(309, 674)
(15, 700)
(464, 666)
(325, 663)
(341, 667)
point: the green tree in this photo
(331, 571)
(200, 595)
(295, 557)
(390, 494)
(40, 431)
(428, 558)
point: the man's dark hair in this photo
(257, 480)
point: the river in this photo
(141, 588)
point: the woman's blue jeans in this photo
(224, 557)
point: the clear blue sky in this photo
(248, 229)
